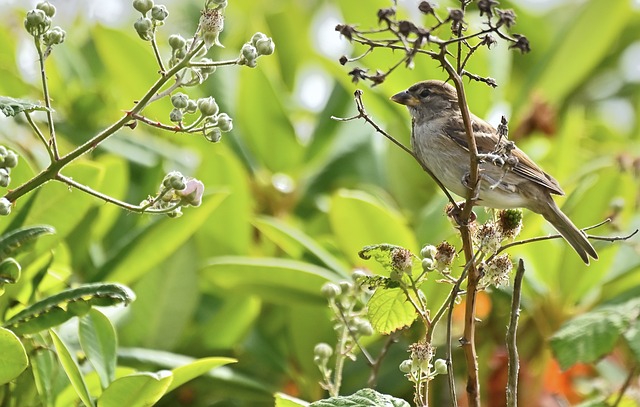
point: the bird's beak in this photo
(405, 98)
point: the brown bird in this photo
(508, 177)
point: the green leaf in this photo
(284, 400)
(230, 323)
(632, 336)
(362, 398)
(386, 254)
(358, 219)
(278, 280)
(158, 242)
(561, 71)
(255, 114)
(98, 340)
(11, 107)
(199, 367)
(136, 390)
(72, 370)
(58, 308)
(293, 241)
(388, 310)
(12, 241)
(592, 335)
(170, 360)
(168, 298)
(13, 358)
(45, 367)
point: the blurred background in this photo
(294, 195)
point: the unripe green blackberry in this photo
(440, 366)
(510, 222)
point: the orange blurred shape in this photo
(483, 307)
(560, 383)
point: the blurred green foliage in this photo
(293, 195)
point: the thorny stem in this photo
(473, 279)
(51, 172)
(625, 386)
(52, 143)
(512, 348)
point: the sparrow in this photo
(508, 177)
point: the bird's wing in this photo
(486, 139)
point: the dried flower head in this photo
(488, 238)
(506, 17)
(445, 253)
(426, 7)
(497, 271)
(401, 259)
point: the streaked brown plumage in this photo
(439, 141)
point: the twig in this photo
(53, 143)
(156, 51)
(365, 353)
(375, 367)
(625, 386)
(512, 349)
(362, 114)
(38, 132)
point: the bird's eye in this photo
(424, 93)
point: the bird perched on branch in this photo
(508, 177)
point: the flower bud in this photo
(213, 135)
(192, 193)
(265, 46)
(406, 365)
(174, 180)
(10, 159)
(177, 41)
(429, 251)
(252, 63)
(175, 115)
(219, 3)
(208, 106)
(159, 12)
(440, 366)
(427, 264)
(257, 37)
(5, 179)
(143, 6)
(143, 27)
(330, 290)
(192, 106)
(48, 8)
(225, 122)
(179, 100)
(54, 36)
(323, 351)
(5, 207)
(37, 22)
(363, 327)
(249, 52)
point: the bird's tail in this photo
(574, 236)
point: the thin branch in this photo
(625, 386)
(512, 348)
(375, 367)
(125, 205)
(41, 136)
(365, 353)
(362, 114)
(156, 52)
(53, 143)
(214, 63)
